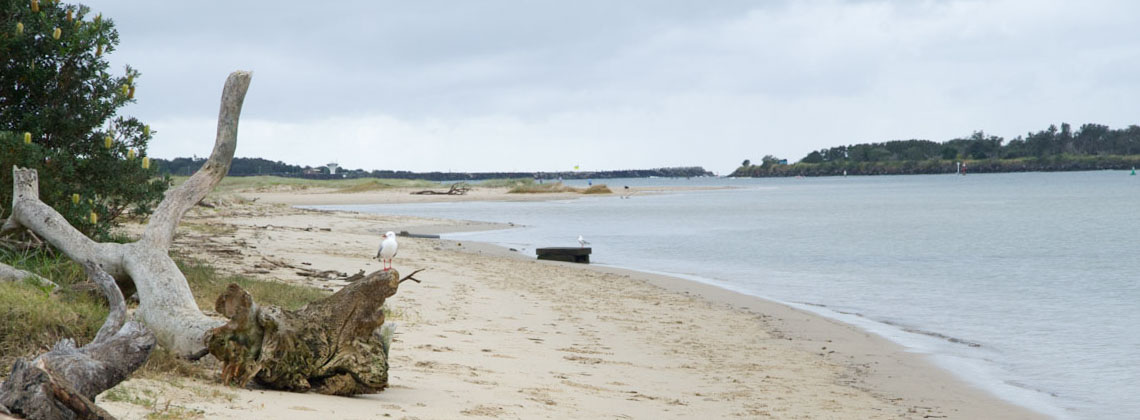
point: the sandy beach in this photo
(492, 333)
(328, 196)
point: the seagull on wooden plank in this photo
(582, 242)
(387, 250)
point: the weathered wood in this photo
(568, 254)
(9, 273)
(456, 189)
(166, 303)
(63, 383)
(332, 346)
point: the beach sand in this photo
(492, 333)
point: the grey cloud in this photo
(744, 78)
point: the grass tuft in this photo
(505, 182)
(557, 187)
(553, 187)
(32, 319)
(598, 189)
(207, 284)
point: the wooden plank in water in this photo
(568, 254)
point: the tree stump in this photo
(333, 346)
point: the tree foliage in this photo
(58, 114)
(1092, 146)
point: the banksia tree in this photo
(58, 105)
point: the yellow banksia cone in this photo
(27, 138)
(124, 89)
(19, 28)
(75, 198)
(146, 163)
(99, 50)
(94, 218)
(69, 15)
(98, 18)
(35, 6)
(131, 93)
(107, 142)
(130, 153)
(146, 130)
(56, 33)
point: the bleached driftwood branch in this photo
(166, 303)
(9, 273)
(332, 346)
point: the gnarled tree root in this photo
(332, 346)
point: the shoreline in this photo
(887, 368)
(885, 361)
(876, 348)
(491, 332)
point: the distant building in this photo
(783, 161)
(332, 168)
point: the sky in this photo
(546, 85)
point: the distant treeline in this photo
(1091, 147)
(258, 166)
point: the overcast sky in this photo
(546, 85)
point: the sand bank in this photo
(490, 333)
(326, 196)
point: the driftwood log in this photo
(166, 304)
(456, 189)
(63, 383)
(9, 273)
(332, 346)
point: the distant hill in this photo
(1091, 147)
(258, 166)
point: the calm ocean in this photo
(1028, 285)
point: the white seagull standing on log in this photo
(582, 242)
(387, 250)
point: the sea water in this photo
(1027, 285)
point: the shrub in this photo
(58, 105)
(598, 189)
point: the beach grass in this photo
(557, 187)
(505, 182)
(598, 189)
(207, 284)
(32, 318)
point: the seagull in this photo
(387, 250)
(582, 242)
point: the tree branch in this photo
(117, 306)
(9, 273)
(163, 222)
(409, 277)
(31, 213)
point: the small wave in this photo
(937, 335)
